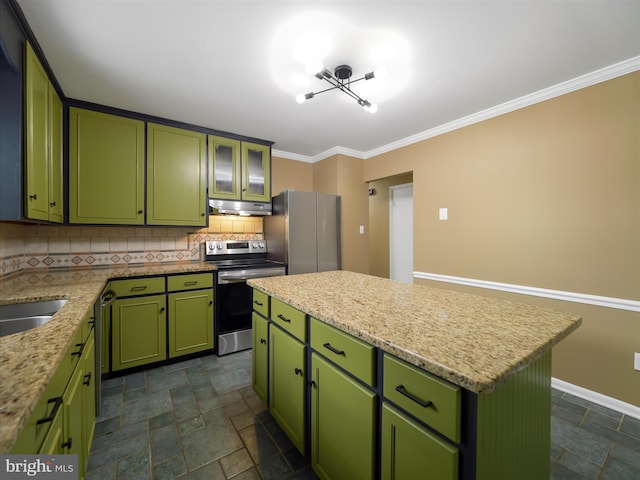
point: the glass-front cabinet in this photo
(256, 172)
(239, 170)
(224, 168)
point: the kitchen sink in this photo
(19, 317)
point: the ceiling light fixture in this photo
(341, 80)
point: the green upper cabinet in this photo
(43, 143)
(176, 176)
(239, 170)
(56, 181)
(256, 172)
(224, 168)
(106, 168)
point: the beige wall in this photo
(379, 223)
(337, 175)
(547, 196)
(290, 175)
(343, 175)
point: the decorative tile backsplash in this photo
(36, 247)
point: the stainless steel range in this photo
(237, 261)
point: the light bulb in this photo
(371, 108)
(300, 98)
(313, 67)
(381, 72)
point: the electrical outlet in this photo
(636, 361)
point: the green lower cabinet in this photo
(260, 357)
(190, 322)
(343, 424)
(287, 384)
(410, 451)
(138, 331)
(73, 436)
(89, 396)
(52, 444)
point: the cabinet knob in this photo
(53, 204)
(34, 196)
(263, 341)
(139, 212)
(298, 371)
(161, 309)
(202, 214)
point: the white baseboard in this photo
(597, 398)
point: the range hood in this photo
(239, 208)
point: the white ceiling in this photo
(232, 65)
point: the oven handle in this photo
(238, 277)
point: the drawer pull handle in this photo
(87, 379)
(263, 341)
(56, 407)
(422, 403)
(34, 196)
(79, 352)
(298, 371)
(68, 443)
(283, 318)
(188, 284)
(138, 288)
(334, 350)
(260, 304)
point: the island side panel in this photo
(514, 426)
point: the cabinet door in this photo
(410, 451)
(56, 189)
(53, 441)
(176, 176)
(343, 419)
(73, 437)
(260, 357)
(36, 133)
(106, 168)
(89, 380)
(256, 172)
(224, 168)
(287, 384)
(190, 322)
(138, 331)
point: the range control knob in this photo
(219, 245)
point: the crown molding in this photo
(320, 156)
(607, 73)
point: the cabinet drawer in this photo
(412, 389)
(189, 282)
(261, 302)
(138, 286)
(289, 318)
(355, 356)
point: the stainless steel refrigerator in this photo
(304, 231)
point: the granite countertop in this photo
(472, 341)
(29, 359)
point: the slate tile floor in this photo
(200, 420)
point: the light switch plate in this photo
(443, 214)
(636, 361)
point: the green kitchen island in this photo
(375, 378)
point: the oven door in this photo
(234, 301)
